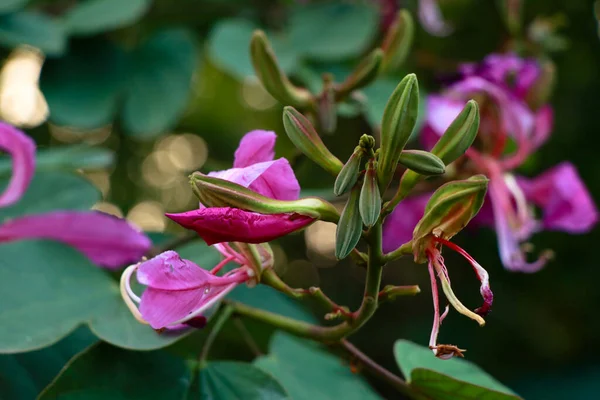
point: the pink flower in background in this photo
(255, 169)
(108, 241)
(429, 13)
(501, 84)
(398, 226)
(178, 292)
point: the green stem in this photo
(401, 251)
(223, 317)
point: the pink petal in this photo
(105, 239)
(22, 150)
(399, 225)
(226, 224)
(432, 19)
(168, 271)
(255, 147)
(564, 199)
(544, 121)
(274, 179)
(162, 308)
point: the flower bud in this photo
(397, 41)
(370, 198)
(460, 134)
(306, 139)
(327, 108)
(272, 77)
(422, 162)
(365, 73)
(348, 176)
(215, 192)
(349, 228)
(449, 210)
(399, 118)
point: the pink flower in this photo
(255, 169)
(178, 292)
(503, 81)
(432, 19)
(106, 240)
(399, 225)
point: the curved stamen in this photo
(127, 294)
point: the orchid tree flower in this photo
(254, 168)
(446, 213)
(178, 292)
(503, 83)
(106, 240)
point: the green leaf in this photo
(446, 379)
(105, 372)
(333, 31)
(34, 29)
(67, 158)
(51, 191)
(12, 5)
(159, 87)
(24, 376)
(230, 380)
(308, 373)
(95, 16)
(229, 47)
(83, 87)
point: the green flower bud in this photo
(449, 210)
(215, 192)
(306, 139)
(460, 134)
(349, 228)
(272, 77)
(370, 198)
(422, 162)
(397, 41)
(348, 176)
(365, 73)
(399, 118)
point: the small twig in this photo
(390, 292)
(223, 317)
(241, 327)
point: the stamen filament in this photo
(127, 294)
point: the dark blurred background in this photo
(540, 338)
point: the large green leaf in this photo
(24, 376)
(82, 88)
(65, 158)
(333, 31)
(12, 5)
(159, 86)
(308, 373)
(446, 379)
(230, 48)
(34, 29)
(106, 372)
(51, 191)
(95, 16)
(230, 380)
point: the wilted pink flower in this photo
(178, 292)
(437, 268)
(255, 169)
(502, 82)
(106, 240)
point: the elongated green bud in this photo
(272, 77)
(365, 73)
(397, 41)
(349, 228)
(399, 118)
(348, 176)
(449, 210)
(460, 134)
(422, 162)
(215, 192)
(327, 108)
(370, 198)
(306, 139)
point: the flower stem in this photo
(223, 317)
(401, 251)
